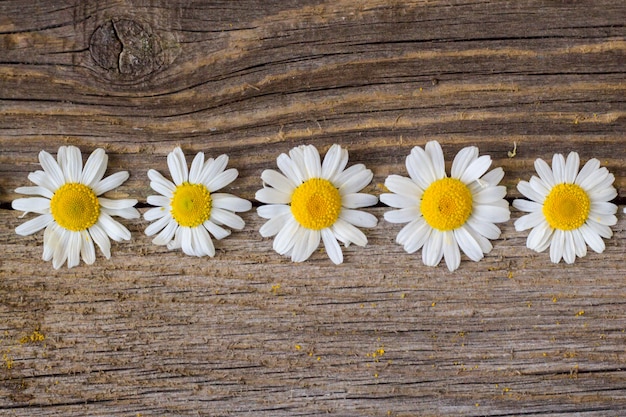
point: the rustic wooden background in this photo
(154, 333)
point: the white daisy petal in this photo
(358, 218)
(274, 225)
(529, 221)
(160, 184)
(489, 195)
(604, 219)
(528, 191)
(593, 179)
(558, 168)
(272, 196)
(50, 240)
(347, 233)
(287, 236)
(38, 205)
(212, 168)
(203, 242)
(95, 167)
(43, 180)
(592, 167)
(289, 169)
(557, 245)
(125, 213)
(101, 239)
(37, 190)
(222, 180)
(110, 182)
(178, 166)
(116, 204)
(87, 250)
(488, 230)
(34, 225)
(525, 205)
(494, 176)
(230, 202)
(312, 162)
(402, 185)
(61, 251)
(491, 213)
(113, 229)
(73, 166)
(451, 251)
(400, 200)
(435, 155)
(468, 244)
(227, 218)
(592, 238)
(52, 169)
(414, 235)
(539, 237)
(351, 178)
(462, 160)
(403, 215)
(186, 242)
(272, 210)
(218, 231)
(175, 242)
(358, 200)
(420, 168)
(602, 230)
(334, 163)
(432, 252)
(571, 170)
(569, 251)
(600, 193)
(476, 169)
(580, 248)
(297, 157)
(305, 245)
(155, 213)
(278, 181)
(196, 168)
(159, 200)
(170, 227)
(73, 249)
(332, 246)
(545, 172)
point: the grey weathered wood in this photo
(152, 332)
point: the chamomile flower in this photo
(189, 208)
(71, 209)
(568, 209)
(445, 213)
(312, 201)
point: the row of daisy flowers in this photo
(311, 200)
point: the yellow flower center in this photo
(566, 207)
(191, 204)
(316, 204)
(75, 207)
(446, 204)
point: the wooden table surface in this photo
(248, 333)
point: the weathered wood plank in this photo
(152, 332)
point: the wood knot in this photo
(126, 48)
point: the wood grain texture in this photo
(152, 332)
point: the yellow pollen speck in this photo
(191, 204)
(580, 313)
(446, 204)
(554, 299)
(566, 207)
(75, 207)
(35, 337)
(316, 204)
(275, 289)
(298, 347)
(433, 304)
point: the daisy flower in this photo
(313, 200)
(189, 208)
(568, 209)
(71, 209)
(445, 213)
